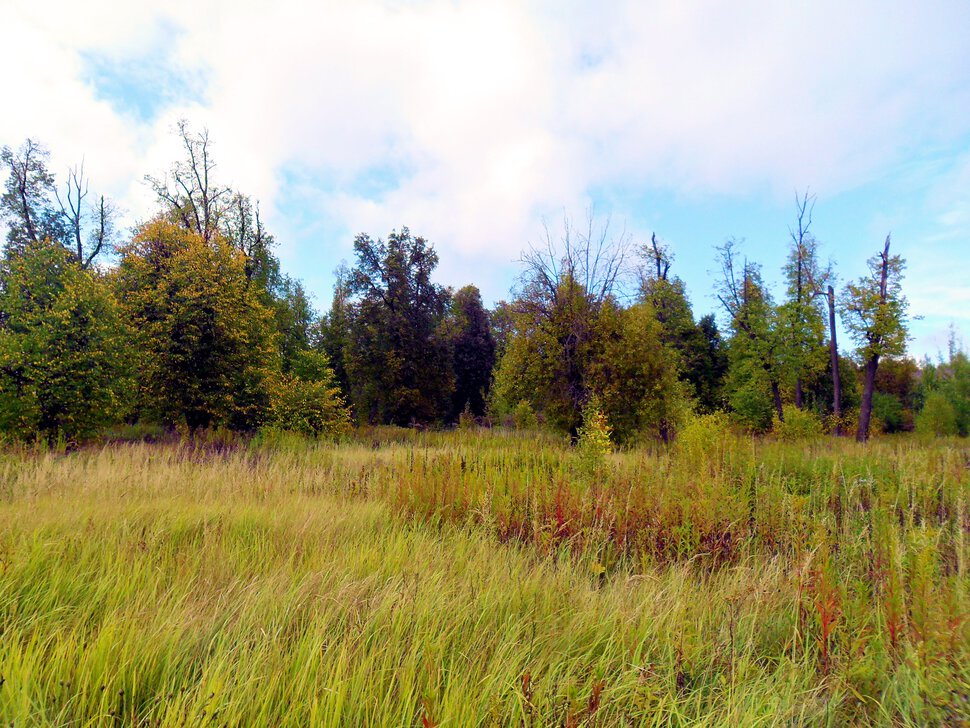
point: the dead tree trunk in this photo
(776, 395)
(834, 359)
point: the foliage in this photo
(951, 380)
(702, 359)
(472, 346)
(332, 334)
(705, 438)
(876, 317)
(63, 353)
(755, 347)
(634, 375)
(524, 417)
(801, 319)
(294, 320)
(206, 349)
(594, 436)
(397, 359)
(502, 321)
(889, 411)
(749, 395)
(938, 416)
(34, 211)
(547, 357)
(570, 346)
(565, 286)
(467, 420)
(799, 424)
(312, 408)
(306, 398)
(27, 204)
(874, 311)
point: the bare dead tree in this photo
(74, 215)
(188, 190)
(592, 258)
(662, 257)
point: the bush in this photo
(704, 438)
(524, 417)
(466, 420)
(938, 416)
(889, 411)
(311, 408)
(594, 435)
(799, 424)
(751, 407)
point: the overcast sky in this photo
(471, 122)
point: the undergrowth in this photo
(474, 578)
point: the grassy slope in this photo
(360, 586)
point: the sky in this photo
(476, 123)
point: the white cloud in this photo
(495, 113)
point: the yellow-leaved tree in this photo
(205, 346)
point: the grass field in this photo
(451, 579)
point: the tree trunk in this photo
(865, 409)
(799, 396)
(834, 359)
(776, 393)
(872, 363)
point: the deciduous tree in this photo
(206, 343)
(755, 345)
(63, 352)
(874, 312)
(801, 317)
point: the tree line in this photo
(189, 322)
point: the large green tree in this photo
(397, 358)
(802, 314)
(754, 350)
(63, 352)
(701, 355)
(565, 282)
(874, 312)
(571, 342)
(472, 351)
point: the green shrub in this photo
(938, 416)
(799, 424)
(704, 438)
(312, 408)
(524, 417)
(751, 407)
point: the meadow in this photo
(484, 578)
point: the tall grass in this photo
(436, 579)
